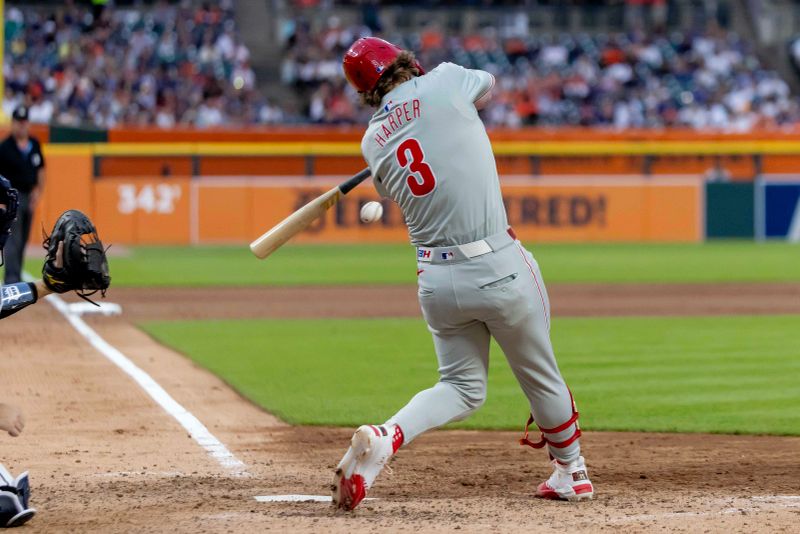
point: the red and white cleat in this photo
(370, 449)
(567, 483)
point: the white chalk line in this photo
(133, 474)
(299, 498)
(197, 430)
(766, 503)
(761, 503)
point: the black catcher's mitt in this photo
(76, 259)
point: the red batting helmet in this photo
(367, 59)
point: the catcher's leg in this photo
(14, 499)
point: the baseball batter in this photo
(429, 152)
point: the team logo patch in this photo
(36, 159)
(12, 294)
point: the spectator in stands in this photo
(185, 65)
(636, 80)
(169, 65)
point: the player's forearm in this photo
(17, 296)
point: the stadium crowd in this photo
(169, 65)
(185, 64)
(698, 80)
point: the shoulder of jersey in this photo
(365, 141)
(440, 76)
(443, 68)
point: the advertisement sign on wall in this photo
(592, 209)
(182, 210)
(782, 211)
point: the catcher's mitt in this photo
(76, 259)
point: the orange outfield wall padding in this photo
(141, 209)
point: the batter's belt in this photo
(467, 251)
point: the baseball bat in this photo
(298, 221)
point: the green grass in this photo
(698, 374)
(394, 264)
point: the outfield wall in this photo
(176, 193)
(229, 210)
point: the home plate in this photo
(297, 498)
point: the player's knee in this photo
(473, 404)
(476, 398)
(472, 393)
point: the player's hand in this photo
(76, 258)
(11, 419)
(59, 261)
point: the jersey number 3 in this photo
(422, 182)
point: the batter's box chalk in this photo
(298, 498)
(86, 308)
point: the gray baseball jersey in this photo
(429, 152)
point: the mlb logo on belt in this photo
(447, 255)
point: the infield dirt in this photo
(104, 457)
(568, 300)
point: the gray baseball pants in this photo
(465, 301)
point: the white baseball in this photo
(371, 212)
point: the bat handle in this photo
(350, 184)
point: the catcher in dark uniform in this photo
(76, 261)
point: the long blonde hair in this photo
(401, 70)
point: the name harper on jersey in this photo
(401, 115)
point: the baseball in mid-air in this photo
(371, 212)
